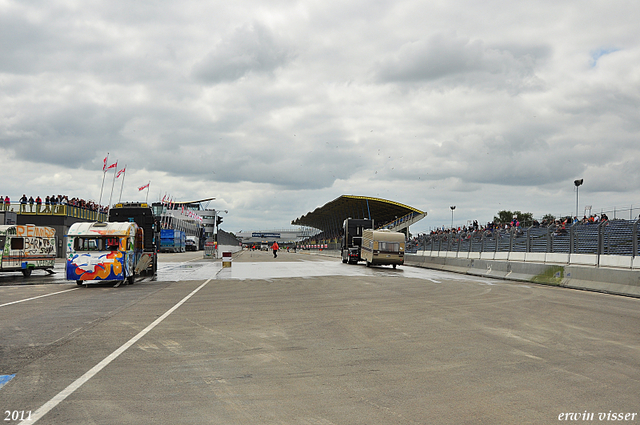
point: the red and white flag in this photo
(105, 168)
(121, 171)
(104, 163)
(144, 187)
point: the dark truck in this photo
(352, 239)
(141, 214)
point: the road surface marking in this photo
(35, 298)
(38, 414)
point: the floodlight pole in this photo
(577, 183)
(453, 207)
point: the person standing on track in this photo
(275, 248)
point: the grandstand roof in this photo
(332, 214)
(193, 202)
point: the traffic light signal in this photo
(218, 221)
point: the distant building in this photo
(191, 217)
(281, 235)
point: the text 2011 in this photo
(17, 415)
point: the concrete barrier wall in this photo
(228, 248)
(614, 275)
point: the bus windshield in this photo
(96, 244)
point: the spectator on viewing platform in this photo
(7, 203)
(47, 204)
(38, 204)
(23, 203)
(31, 201)
(53, 202)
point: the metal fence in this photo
(613, 237)
(55, 210)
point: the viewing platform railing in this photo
(54, 210)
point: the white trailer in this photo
(27, 247)
(383, 247)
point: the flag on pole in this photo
(144, 187)
(121, 171)
(104, 163)
(105, 168)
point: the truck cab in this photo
(352, 239)
(141, 214)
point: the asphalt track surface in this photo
(305, 339)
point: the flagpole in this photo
(148, 185)
(122, 185)
(104, 173)
(114, 183)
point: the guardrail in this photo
(609, 243)
(55, 210)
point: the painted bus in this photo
(383, 247)
(103, 251)
(27, 247)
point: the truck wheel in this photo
(79, 282)
(368, 264)
(26, 272)
(394, 266)
(131, 279)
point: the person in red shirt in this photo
(275, 248)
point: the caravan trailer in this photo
(383, 247)
(103, 251)
(26, 248)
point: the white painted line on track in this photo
(38, 414)
(40, 296)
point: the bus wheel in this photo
(26, 272)
(79, 282)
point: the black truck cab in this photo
(352, 239)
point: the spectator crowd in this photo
(50, 204)
(559, 227)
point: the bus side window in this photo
(112, 244)
(17, 243)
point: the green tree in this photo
(550, 218)
(503, 217)
(506, 216)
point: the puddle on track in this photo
(264, 270)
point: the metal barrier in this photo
(613, 237)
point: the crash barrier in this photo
(599, 256)
(581, 274)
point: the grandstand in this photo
(329, 218)
(611, 237)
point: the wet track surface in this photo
(306, 339)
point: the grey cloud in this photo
(448, 57)
(67, 135)
(249, 49)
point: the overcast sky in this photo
(277, 107)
